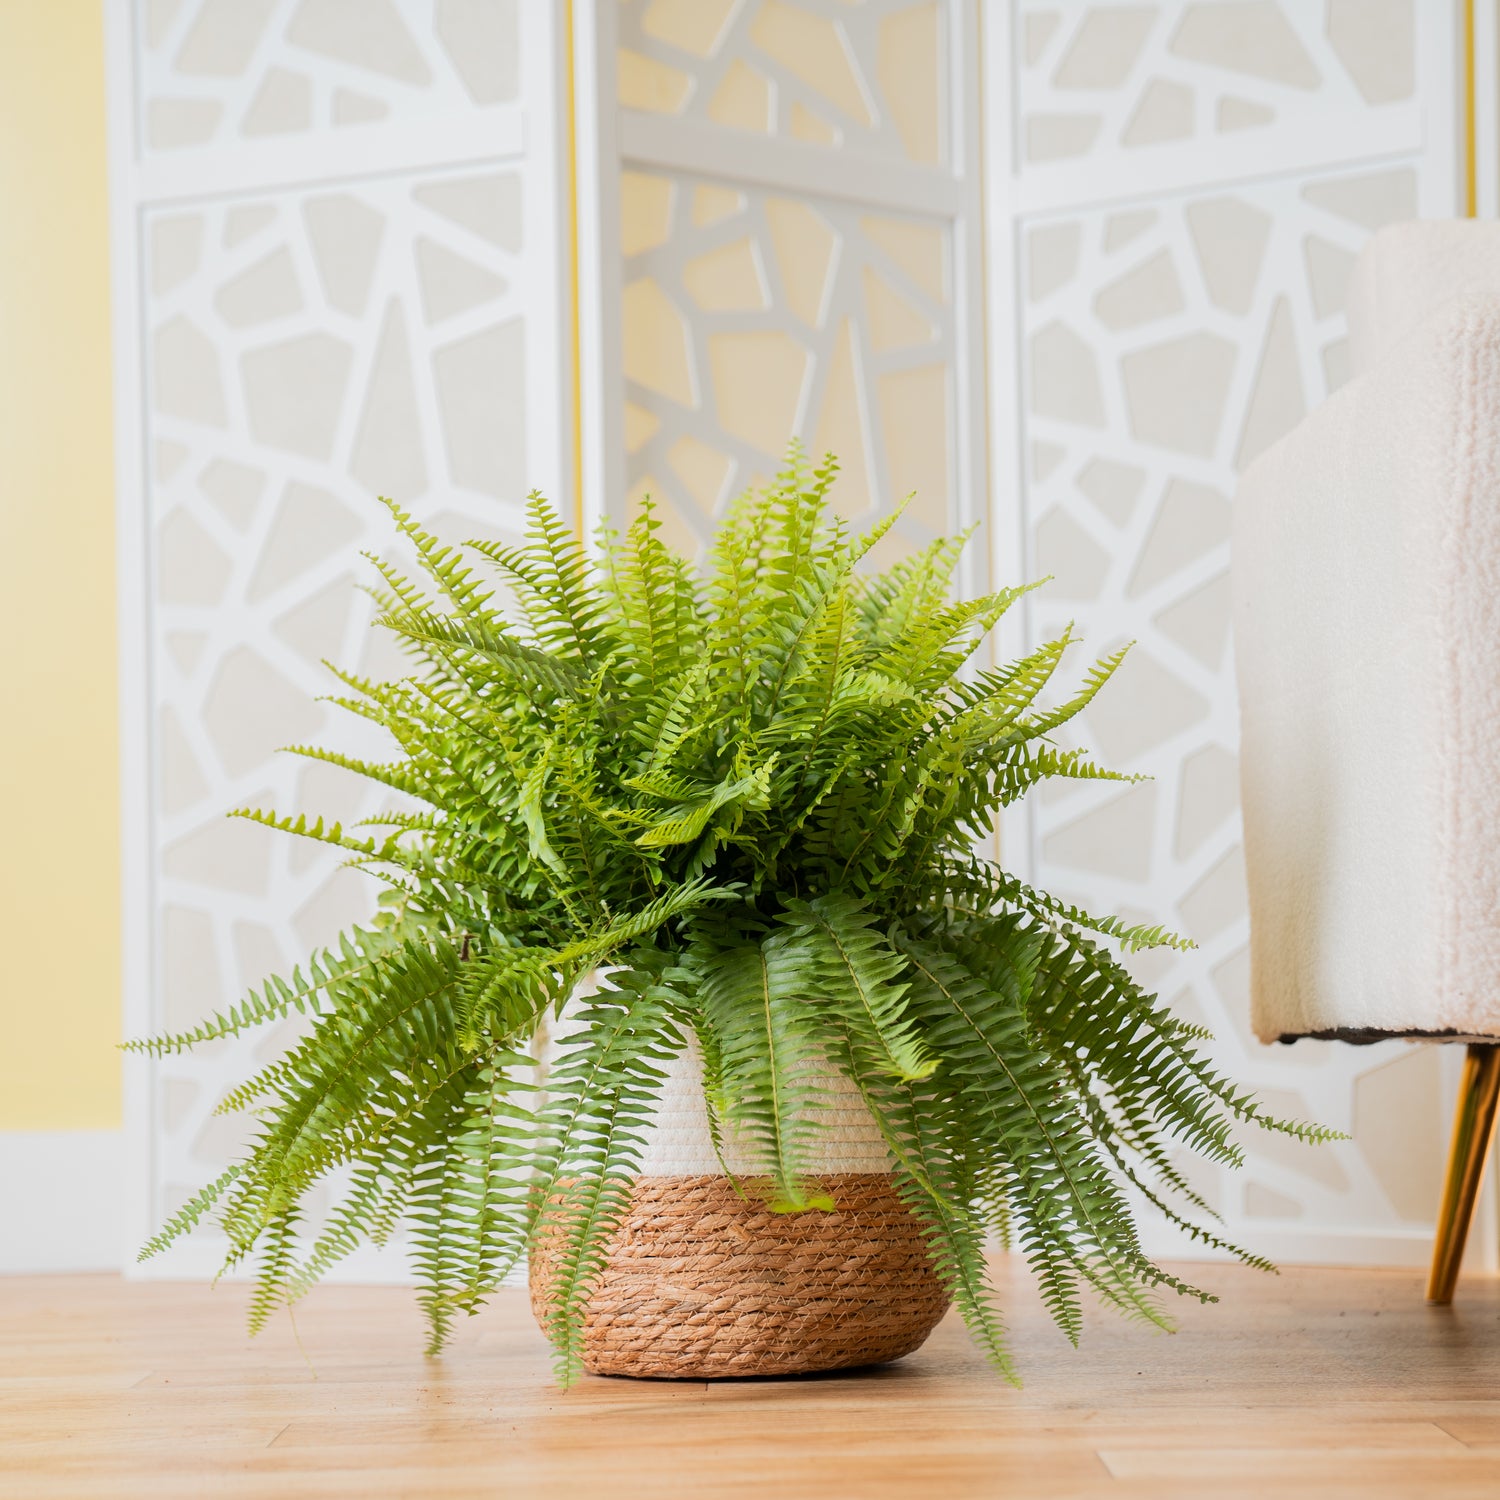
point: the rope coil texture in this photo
(702, 1281)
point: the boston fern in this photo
(756, 794)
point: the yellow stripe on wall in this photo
(59, 838)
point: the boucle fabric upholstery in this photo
(1367, 624)
(1408, 272)
(678, 1142)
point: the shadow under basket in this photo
(702, 1283)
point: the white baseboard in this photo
(1404, 1248)
(63, 1195)
(1291, 1246)
(200, 1257)
(62, 1208)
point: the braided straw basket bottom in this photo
(701, 1283)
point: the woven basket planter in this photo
(702, 1281)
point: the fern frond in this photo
(553, 579)
(600, 1096)
(860, 977)
(187, 1218)
(359, 953)
(759, 1025)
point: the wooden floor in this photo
(1317, 1383)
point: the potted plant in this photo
(688, 980)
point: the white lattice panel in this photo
(333, 323)
(1096, 85)
(753, 315)
(873, 76)
(212, 73)
(773, 291)
(1193, 182)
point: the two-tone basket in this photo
(703, 1280)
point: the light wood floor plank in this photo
(1318, 1383)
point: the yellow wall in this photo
(59, 841)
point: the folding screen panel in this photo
(799, 232)
(341, 272)
(1178, 193)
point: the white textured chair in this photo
(1367, 628)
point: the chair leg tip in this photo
(1473, 1130)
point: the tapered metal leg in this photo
(1473, 1129)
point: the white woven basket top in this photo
(679, 1143)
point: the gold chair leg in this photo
(1473, 1129)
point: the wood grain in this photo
(1317, 1383)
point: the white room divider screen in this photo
(1059, 268)
(340, 270)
